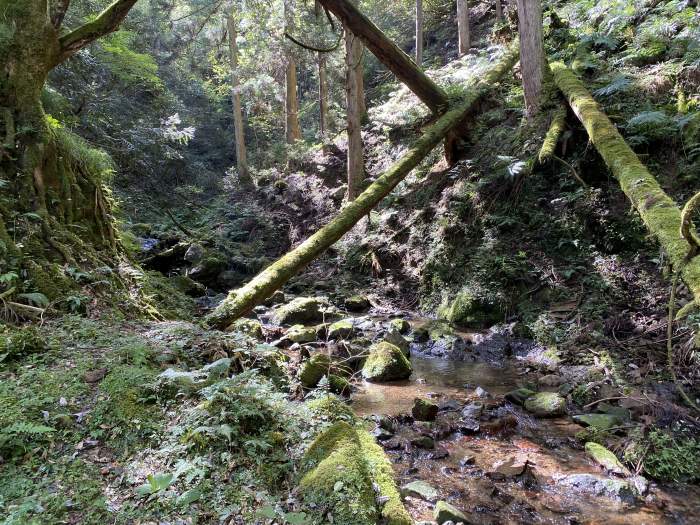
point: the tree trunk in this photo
(355, 153)
(499, 10)
(241, 156)
(241, 301)
(389, 54)
(322, 96)
(419, 32)
(531, 53)
(658, 211)
(463, 26)
(291, 102)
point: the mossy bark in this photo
(241, 301)
(658, 211)
(556, 128)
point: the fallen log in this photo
(389, 54)
(658, 211)
(556, 128)
(243, 300)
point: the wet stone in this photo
(423, 442)
(444, 513)
(546, 404)
(420, 489)
(519, 395)
(508, 468)
(605, 458)
(598, 421)
(424, 410)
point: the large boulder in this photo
(546, 404)
(472, 310)
(301, 310)
(395, 338)
(314, 369)
(386, 362)
(344, 470)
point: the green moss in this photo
(314, 369)
(340, 468)
(469, 309)
(332, 409)
(20, 342)
(386, 362)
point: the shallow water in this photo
(548, 446)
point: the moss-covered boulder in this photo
(331, 408)
(346, 473)
(188, 286)
(314, 369)
(251, 327)
(519, 395)
(357, 303)
(424, 410)
(386, 362)
(471, 309)
(301, 334)
(546, 404)
(445, 512)
(396, 339)
(420, 489)
(340, 329)
(339, 385)
(20, 342)
(605, 458)
(400, 325)
(599, 421)
(300, 311)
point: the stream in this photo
(513, 469)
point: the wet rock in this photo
(469, 426)
(598, 421)
(519, 395)
(381, 434)
(276, 298)
(605, 458)
(481, 393)
(188, 286)
(421, 490)
(473, 410)
(423, 442)
(508, 468)
(423, 410)
(467, 460)
(393, 444)
(314, 369)
(299, 311)
(400, 325)
(445, 512)
(546, 404)
(357, 303)
(386, 362)
(396, 339)
(439, 453)
(341, 329)
(194, 253)
(599, 486)
(301, 334)
(250, 327)
(449, 405)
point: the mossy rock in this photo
(339, 385)
(605, 458)
(251, 327)
(423, 410)
(300, 311)
(599, 421)
(546, 404)
(340, 472)
(471, 310)
(341, 329)
(314, 369)
(386, 362)
(519, 395)
(400, 325)
(188, 286)
(20, 342)
(396, 339)
(174, 382)
(444, 512)
(301, 334)
(357, 303)
(331, 408)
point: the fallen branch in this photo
(556, 128)
(658, 211)
(241, 301)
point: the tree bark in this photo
(291, 102)
(355, 153)
(531, 53)
(239, 130)
(463, 26)
(322, 96)
(499, 10)
(389, 54)
(241, 301)
(658, 211)
(419, 32)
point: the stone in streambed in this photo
(445, 512)
(341, 329)
(314, 369)
(300, 310)
(605, 458)
(519, 395)
(546, 404)
(400, 325)
(424, 410)
(396, 339)
(420, 489)
(357, 303)
(301, 334)
(251, 327)
(423, 442)
(386, 362)
(598, 421)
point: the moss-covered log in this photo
(556, 128)
(658, 211)
(241, 301)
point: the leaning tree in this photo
(51, 187)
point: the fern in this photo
(619, 84)
(22, 427)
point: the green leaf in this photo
(189, 497)
(160, 481)
(268, 511)
(8, 277)
(32, 215)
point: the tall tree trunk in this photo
(419, 32)
(389, 54)
(499, 10)
(355, 154)
(291, 102)
(241, 301)
(241, 155)
(322, 96)
(463, 26)
(531, 53)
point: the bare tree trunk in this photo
(499, 10)
(360, 78)
(463, 26)
(389, 54)
(419, 32)
(322, 96)
(241, 155)
(355, 154)
(531, 53)
(291, 102)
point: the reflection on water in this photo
(432, 375)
